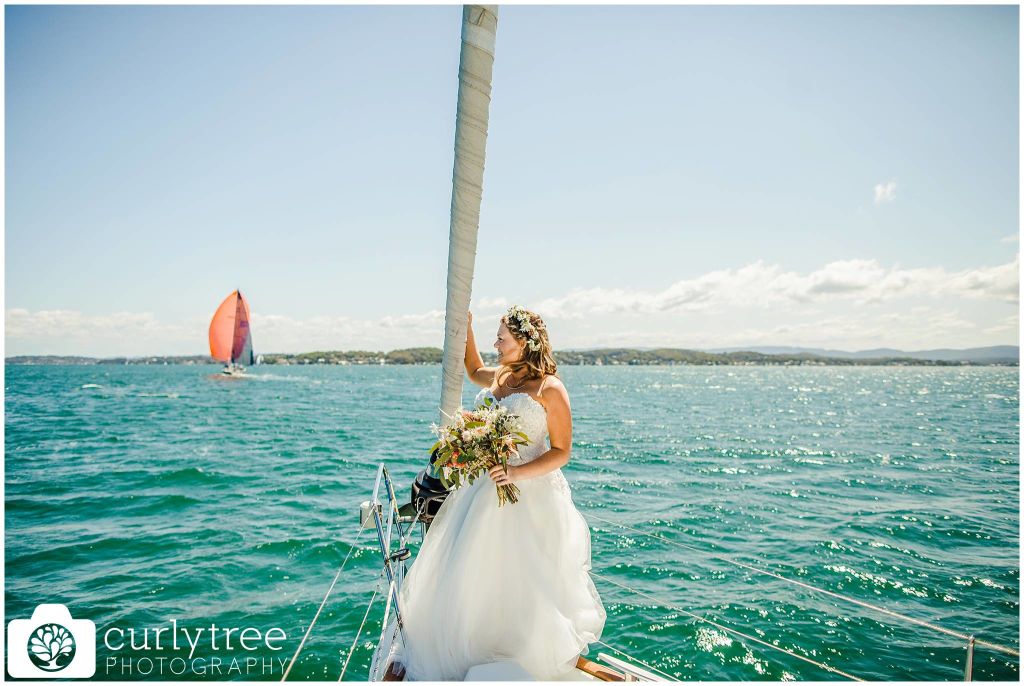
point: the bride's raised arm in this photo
(478, 373)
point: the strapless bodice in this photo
(533, 419)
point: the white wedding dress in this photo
(494, 584)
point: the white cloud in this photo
(860, 281)
(837, 304)
(1009, 324)
(492, 303)
(76, 327)
(885, 192)
(279, 333)
(1012, 238)
(1001, 282)
(915, 328)
(918, 328)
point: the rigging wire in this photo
(363, 623)
(322, 603)
(891, 613)
(637, 660)
(822, 665)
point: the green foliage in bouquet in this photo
(473, 442)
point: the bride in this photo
(494, 584)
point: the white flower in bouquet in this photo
(473, 442)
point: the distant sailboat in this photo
(230, 337)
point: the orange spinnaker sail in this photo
(230, 338)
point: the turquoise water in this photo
(137, 495)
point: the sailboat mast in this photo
(476, 61)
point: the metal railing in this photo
(970, 640)
(387, 520)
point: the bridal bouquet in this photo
(473, 442)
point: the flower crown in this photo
(525, 327)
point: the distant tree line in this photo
(604, 356)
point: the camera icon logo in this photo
(51, 645)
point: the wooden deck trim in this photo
(598, 671)
(395, 672)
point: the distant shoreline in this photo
(599, 357)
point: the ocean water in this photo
(140, 495)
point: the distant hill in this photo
(996, 354)
(770, 355)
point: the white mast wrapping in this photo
(479, 26)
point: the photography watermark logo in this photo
(213, 651)
(51, 645)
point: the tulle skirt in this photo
(508, 583)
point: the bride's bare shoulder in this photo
(551, 384)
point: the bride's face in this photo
(507, 347)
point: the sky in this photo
(698, 177)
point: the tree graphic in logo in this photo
(51, 647)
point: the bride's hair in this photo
(537, 360)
